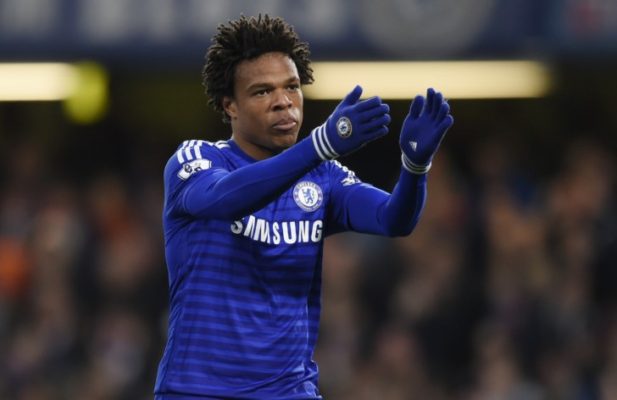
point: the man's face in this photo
(266, 109)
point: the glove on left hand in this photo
(423, 130)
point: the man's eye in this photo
(293, 87)
(262, 92)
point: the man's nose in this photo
(281, 100)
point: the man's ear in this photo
(230, 107)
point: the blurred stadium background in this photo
(506, 290)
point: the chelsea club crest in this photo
(308, 195)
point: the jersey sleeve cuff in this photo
(414, 168)
(321, 143)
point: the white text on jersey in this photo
(288, 232)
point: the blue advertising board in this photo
(173, 32)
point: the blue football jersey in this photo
(245, 293)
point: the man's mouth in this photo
(285, 124)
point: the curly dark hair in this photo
(245, 39)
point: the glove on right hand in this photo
(351, 125)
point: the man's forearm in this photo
(238, 193)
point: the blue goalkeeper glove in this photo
(423, 130)
(351, 125)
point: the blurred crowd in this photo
(82, 282)
(507, 289)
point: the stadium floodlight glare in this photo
(37, 81)
(456, 79)
(82, 87)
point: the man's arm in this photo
(223, 194)
(368, 209)
(371, 210)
